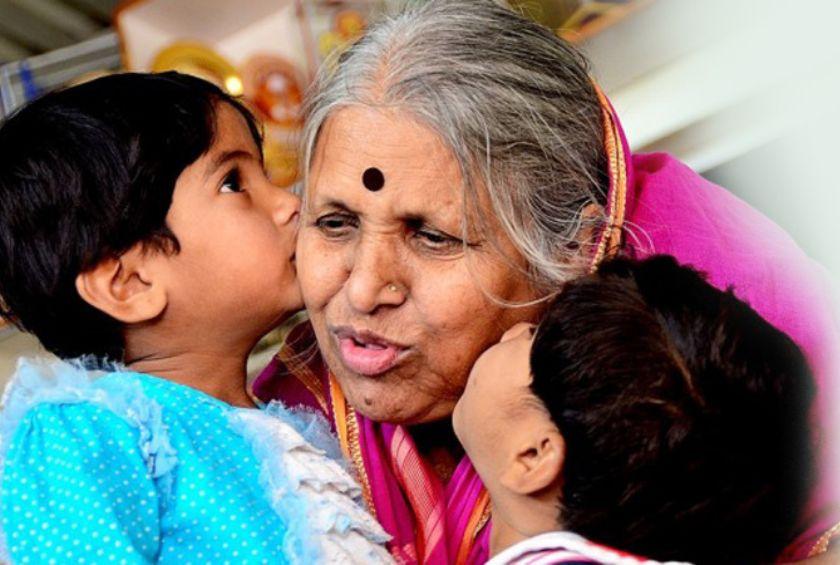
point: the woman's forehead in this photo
(381, 132)
(381, 155)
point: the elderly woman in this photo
(461, 166)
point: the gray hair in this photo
(514, 104)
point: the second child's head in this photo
(650, 412)
(135, 212)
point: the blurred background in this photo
(744, 91)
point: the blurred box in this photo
(577, 20)
(266, 51)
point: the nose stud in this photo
(392, 288)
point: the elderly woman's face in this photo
(400, 309)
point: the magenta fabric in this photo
(674, 211)
(391, 506)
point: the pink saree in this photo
(655, 205)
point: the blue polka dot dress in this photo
(129, 468)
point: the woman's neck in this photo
(437, 442)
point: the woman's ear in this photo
(125, 287)
(589, 218)
(537, 464)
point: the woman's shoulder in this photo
(61, 403)
(675, 211)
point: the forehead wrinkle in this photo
(431, 201)
(401, 169)
(425, 208)
(372, 137)
(433, 194)
(422, 178)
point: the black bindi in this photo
(373, 179)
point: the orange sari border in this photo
(347, 429)
(610, 241)
(426, 502)
(824, 542)
(301, 371)
(479, 518)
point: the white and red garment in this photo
(567, 548)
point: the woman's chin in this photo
(374, 398)
(384, 400)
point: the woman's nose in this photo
(374, 280)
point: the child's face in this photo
(237, 235)
(498, 416)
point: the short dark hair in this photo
(685, 415)
(86, 173)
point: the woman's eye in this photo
(232, 183)
(438, 242)
(336, 225)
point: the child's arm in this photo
(75, 487)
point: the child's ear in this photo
(125, 287)
(537, 464)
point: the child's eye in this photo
(232, 183)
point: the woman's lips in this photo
(366, 353)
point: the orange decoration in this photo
(273, 87)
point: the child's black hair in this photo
(685, 415)
(85, 174)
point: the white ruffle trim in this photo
(312, 493)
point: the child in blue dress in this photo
(143, 244)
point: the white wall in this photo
(793, 180)
(744, 91)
